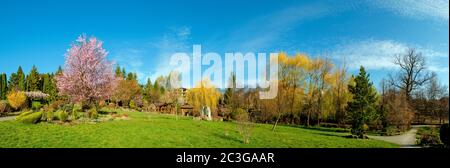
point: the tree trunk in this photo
(307, 120)
(276, 122)
(318, 120)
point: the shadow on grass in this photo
(325, 129)
(333, 135)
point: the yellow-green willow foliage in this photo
(203, 94)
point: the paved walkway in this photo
(406, 140)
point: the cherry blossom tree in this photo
(87, 76)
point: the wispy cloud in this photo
(418, 9)
(379, 54)
(270, 29)
(173, 41)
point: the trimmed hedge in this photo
(32, 118)
(23, 114)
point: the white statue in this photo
(206, 111)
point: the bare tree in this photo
(413, 72)
(435, 94)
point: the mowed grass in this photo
(152, 130)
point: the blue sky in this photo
(142, 35)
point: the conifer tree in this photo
(17, 81)
(362, 107)
(3, 86)
(33, 80)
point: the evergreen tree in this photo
(147, 90)
(17, 80)
(131, 76)
(21, 79)
(34, 80)
(118, 71)
(230, 93)
(124, 72)
(13, 82)
(59, 71)
(362, 107)
(49, 86)
(3, 86)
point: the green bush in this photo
(77, 108)
(23, 114)
(49, 115)
(92, 113)
(62, 115)
(429, 139)
(3, 107)
(68, 107)
(32, 118)
(73, 115)
(132, 104)
(443, 133)
(56, 105)
(36, 105)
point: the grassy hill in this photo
(147, 130)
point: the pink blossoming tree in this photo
(87, 76)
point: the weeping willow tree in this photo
(204, 94)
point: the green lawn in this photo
(147, 130)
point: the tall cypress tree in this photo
(3, 86)
(362, 108)
(20, 79)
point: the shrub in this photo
(429, 139)
(62, 115)
(111, 105)
(32, 118)
(443, 133)
(23, 114)
(56, 105)
(49, 115)
(16, 99)
(101, 104)
(74, 113)
(92, 113)
(67, 107)
(36, 105)
(244, 125)
(132, 104)
(77, 108)
(3, 107)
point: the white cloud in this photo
(419, 9)
(379, 54)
